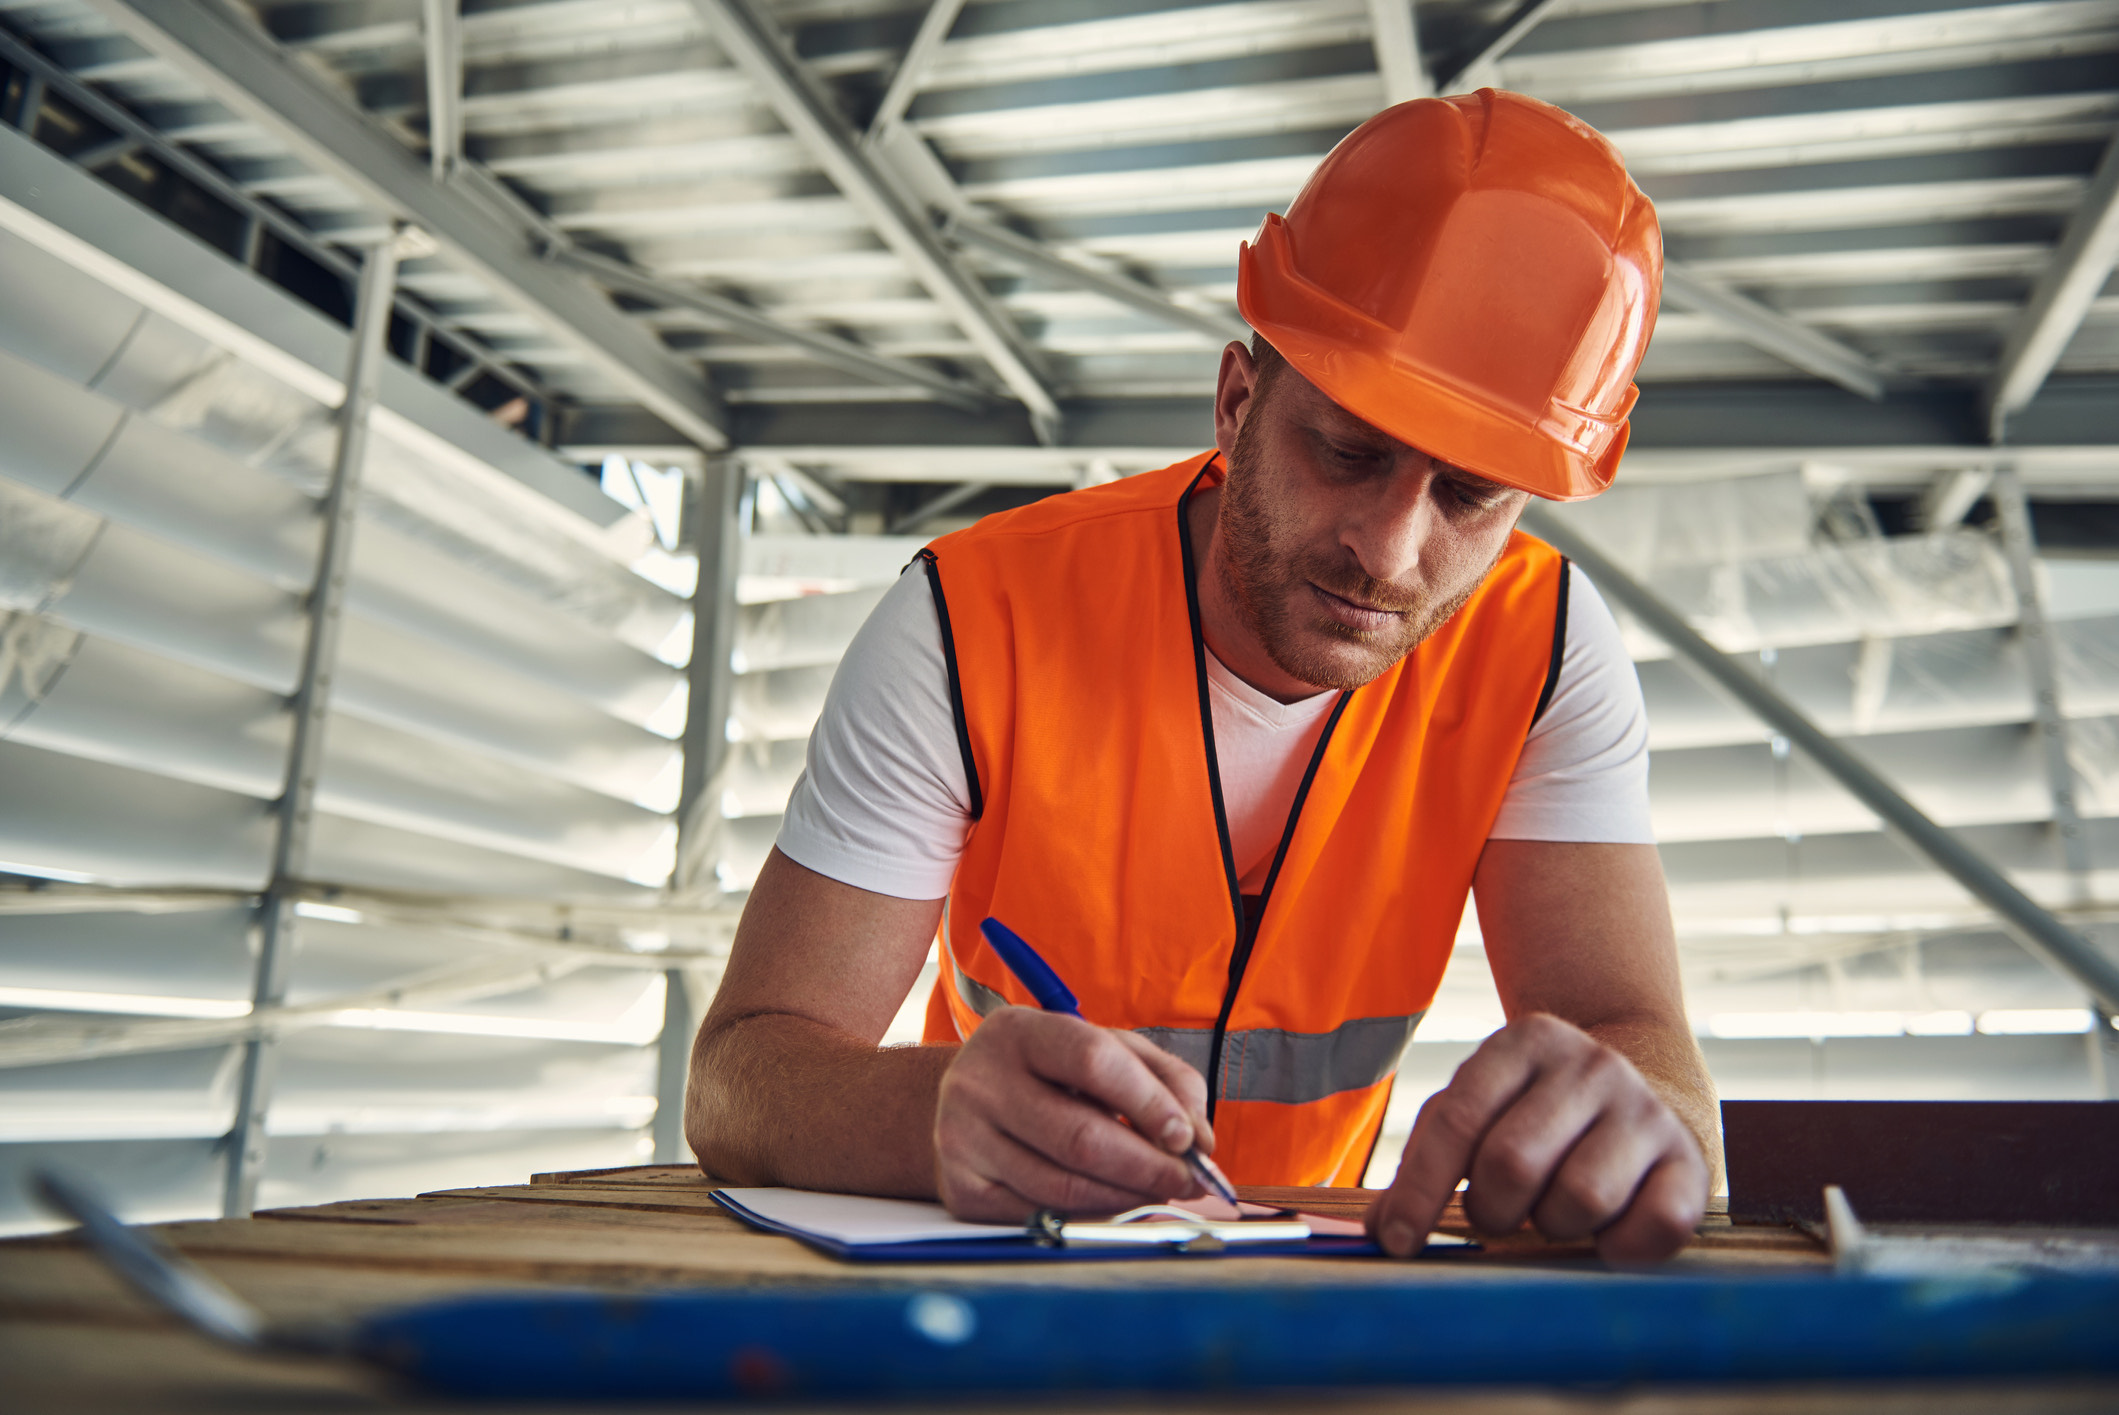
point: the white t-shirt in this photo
(884, 804)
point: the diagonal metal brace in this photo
(2043, 934)
(758, 47)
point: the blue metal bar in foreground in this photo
(1440, 1329)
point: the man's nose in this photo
(1390, 531)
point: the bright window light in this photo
(128, 1003)
(679, 574)
(638, 1025)
(2034, 1021)
(331, 913)
(472, 1024)
(1462, 1027)
(1939, 1024)
(1761, 1026)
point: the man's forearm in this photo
(1670, 1061)
(780, 1099)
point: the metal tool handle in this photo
(153, 1268)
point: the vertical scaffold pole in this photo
(296, 808)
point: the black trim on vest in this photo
(956, 684)
(1249, 909)
(1559, 643)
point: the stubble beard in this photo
(1269, 587)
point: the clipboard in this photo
(858, 1229)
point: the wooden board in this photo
(93, 1345)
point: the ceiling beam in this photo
(759, 48)
(1768, 329)
(912, 69)
(443, 32)
(1477, 72)
(1037, 258)
(2061, 299)
(1682, 429)
(1394, 30)
(245, 71)
(1946, 499)
(828, 349)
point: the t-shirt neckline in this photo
(1268, 710)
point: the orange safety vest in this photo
(1078, 677)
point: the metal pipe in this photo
(673, 1056)
(296, 807)
(1527, 17)
(1394, 30)
(713, 524)
(937, 505)
(442, 23)
(756, 44)
(2060, 301)
(828, 349)
(2043, 934)
(259, 216)
(2036, 636)
(1036, 258)
(1810, 350)
(912, 69)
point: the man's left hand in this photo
(1551, 1126)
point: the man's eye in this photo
(1474, 498)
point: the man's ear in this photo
(1233, 388)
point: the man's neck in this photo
(1229, 635)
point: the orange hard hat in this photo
(1476, 276)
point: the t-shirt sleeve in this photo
(1583, 775)
(883, 803)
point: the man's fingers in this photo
(1444, 1138)
(1183, 1081)
(974, 1198)
(1528, 1142)
(1104, 1068)
(1663, 1216)
(1591, 1188)
(1080, 1137)
(1007, 1182)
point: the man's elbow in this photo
(715, 1124)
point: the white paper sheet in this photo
(858, 1219)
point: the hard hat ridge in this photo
(1476, 276)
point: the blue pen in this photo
(1053, 995)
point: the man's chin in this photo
(1332, 661)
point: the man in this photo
(1230, 742)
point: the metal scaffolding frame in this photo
(294, 813)
(246, 71)
(2043, 934)
(136, 134)
(762, 51)
(2061, 300)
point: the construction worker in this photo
(1230, 743)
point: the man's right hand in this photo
(1045, 1111)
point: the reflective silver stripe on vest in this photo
(1268, 1063)
(980, 998)
(1293, 1068)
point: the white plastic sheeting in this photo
(504, 716)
